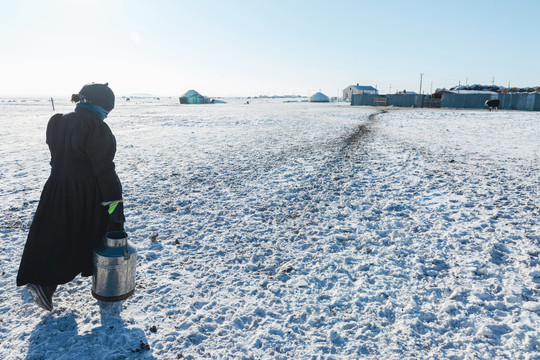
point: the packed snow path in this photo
(279, 231)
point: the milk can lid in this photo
(115, 239)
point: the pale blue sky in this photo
(246, 48)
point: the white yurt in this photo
(319, 97)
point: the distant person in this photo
(81, 200)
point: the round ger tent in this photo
(319, 97)
(193, 97)
(191, 93)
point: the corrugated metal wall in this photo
(465, 101)
(537, 102)
(400, 100)
(521, 101)
(405, 100)
(362, 99)
(527, 102)
(509, 101)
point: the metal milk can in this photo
(114, 268)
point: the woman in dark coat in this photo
(81, 200)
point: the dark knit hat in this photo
(97, 94)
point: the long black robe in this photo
(70, 221)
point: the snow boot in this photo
(42, 296)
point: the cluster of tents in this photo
(193, 97)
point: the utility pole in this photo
(52, 102)
(421, 83)
(493, 82)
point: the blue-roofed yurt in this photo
(193, 97)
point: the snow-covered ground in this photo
(294, 231)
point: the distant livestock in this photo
(493, 104)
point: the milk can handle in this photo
(127, 255)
